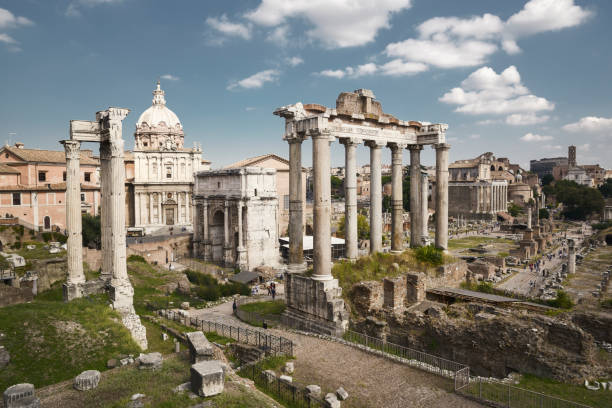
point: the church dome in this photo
(158, 115)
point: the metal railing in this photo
(271, 344)
(420, 359)
(499, 394)
(292, 395)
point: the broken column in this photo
(571, 257)
(76, 277)
(415, 288)
(394, 292)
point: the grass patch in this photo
(275, 307)
(469, 242)
(570, 392)
(51, 341)
(39, 252)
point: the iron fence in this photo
(289, 394)
(498, 394)
(420, 359)
(270, 343)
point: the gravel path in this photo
(371, 381)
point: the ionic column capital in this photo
(72, 148)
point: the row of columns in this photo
(322, 200)
(499, 194)
(146, 203)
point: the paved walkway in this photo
(371, 381)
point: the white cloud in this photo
(74, 8)
(228, 28)
(551, 147)
(486, 92)
(397, 67)
(279, 36)
(590, 124)
(250, 108)
(7, 39)
(487, 122)
(474, 137)
(256, 80)
(531, 137)
(530, 118)
(586, 147)
(333, 73)
(170, 77)
(392, 68)
(294, 61)
(9, 20)
(539, 16)
(334, 23)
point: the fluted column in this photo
(105, 210)
(397, 198)
(375, 196)
(73, 220)
(415, 198)
(442, 195)
(296, 207)
(205, 237)
(424, 206)
(241, 252)
(322, 206)
(227, 258)
(350, 198)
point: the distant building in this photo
(543, 167)
(591, 175)
(33, 186)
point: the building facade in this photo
(33, 186)
(160, 171)
(236, 217)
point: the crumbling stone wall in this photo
(415, 287)
(10, 295)
(366, 296)
(598, 325)
(394, 292)
(49, 271)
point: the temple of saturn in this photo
(106, 130)
(314, 302)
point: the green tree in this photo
(386, 203)
(606, 188)
(336, 186)
(579, 201)
(92, 231)
(514, 210)
(547, 179)
(385, 179)
(363, 227)
(543, 213)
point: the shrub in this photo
(16, 245)
(235, 288)
(208, 293)
(430, 255)
(563, 300)
(602, 225)
(54, 236)
(199, 278)
(485, 287)
(136, 258)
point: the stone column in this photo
(137, 209)
(375, 196)
(350, 198)
(322, 206)
(73, 221)
(205, 237)
(571, 257)
(529, 217)
(241, 256)
(397, 198)
(424, 206)
(227, 258)
(160, 217)
(197, 231)
(442, 195)
(296, 207)
(105, 210)
(415, 198)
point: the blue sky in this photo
(522, 79)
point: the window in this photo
(218, 184)
(82, 196)
(42, 176)
(255, 192)
(286, 201)
(16, 198)
(6, 155)
(64, 176)
(87, 176)
(145, 144)
(168, 172)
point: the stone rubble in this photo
(151, 361)
(331, 401)
(313, 390)
(5, 357)
(200, 349)
(208, 378)
(20, 396)
(341, 394)
(289, 367)
(87, 380)
(286, 378)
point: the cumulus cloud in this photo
(8, 20)
(522, 119)
(170, 77)
(7, 39)
(255, 81)
(532, 137)
(590, 124)
(230, 29)
(486, 92)
(392, 68)
(74, 8)
(294, 61)
(539, 16)
(334, 23)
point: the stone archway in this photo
(216, 232)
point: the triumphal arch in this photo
(106, 130)
(314, 302)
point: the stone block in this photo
(5, 357)
(151, 361)
(285, 378)
(20, 396)
(207, 378)
(200, 349)
(415, 287)
(87, 380)
(270, 376)
(394, 292)
(313, 390)
(112, 363)
(331, 401)
(185, 305)
(342, 394)
(289, 367)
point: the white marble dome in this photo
(158, 114)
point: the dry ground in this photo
(588, 274)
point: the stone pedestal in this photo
(314, 305)
(200, 348)
(207, 378)
(20, 396)
(87, 380)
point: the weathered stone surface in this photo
(112, 363)
(289, 367)
(286, 378)
(200, 349)
(5, 357)
(185, 305)
(332, 401)
(313, 390)
(137, 401)
(341, 394)
(87, 380)
(207, 378)
(151, 361)
(20, 396)
(270, 375)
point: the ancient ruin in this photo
(314, 302)
(106, 130)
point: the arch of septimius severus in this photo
(106, 130)
(314, 302)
